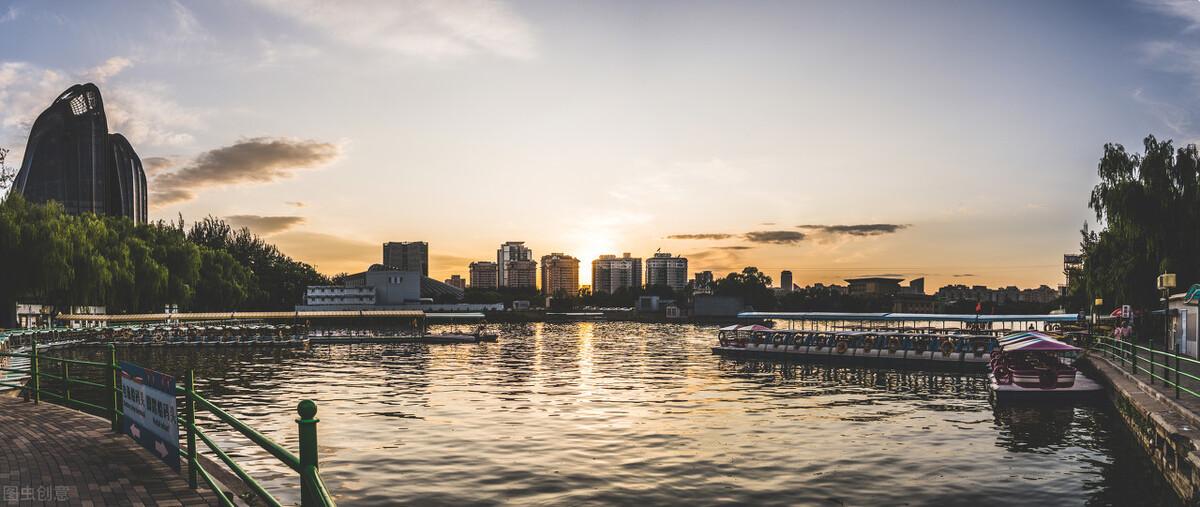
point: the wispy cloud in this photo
(264, 225)
(329, 253)
(437, 30)
(257, 160)
(10, 15)
(856, 230)
(295, 204)
(775, 237)
(714, 236)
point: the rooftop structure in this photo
(407, 256)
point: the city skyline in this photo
(700, 129)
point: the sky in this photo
(954, 140)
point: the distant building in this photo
(716, 306)
(379, 287)
(560, 274)
(520, 274)
(456, 281)
(610, 273)
(484, 275)
(72, 159)
(663, 269)
(911, 302)
(407, 256)
(915, 286)
(980, 293)
(703, 279)
(874, 286)
(508, 252)
(785, 280)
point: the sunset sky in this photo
(955, 140)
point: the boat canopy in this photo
(1033, 341)
(947, 317)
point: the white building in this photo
(1184, 325)
(323, 295)
(663, 269)
(509, 252)
(610, 273)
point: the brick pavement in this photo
(51, 455)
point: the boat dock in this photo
(927, 340)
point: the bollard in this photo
(66, 376)
(307, 423)
(110, 379)
(190, 406)
(36, 377)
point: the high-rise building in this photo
(703, 279)
(484, 275)
(456, 281)
(663, 269)
(511, 251)
(407, 256)
(71, 158)
(520, 275)
(785, 280)
(560, 274)
(610, 273)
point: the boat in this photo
(1032, 365)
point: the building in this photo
(910, 302)
(520, 275)
(915, 286)
(663, 269)
(484, 275)
(706, 306)
(71, 158)
(456, 282)
(380, 288)
(874, 286)
(610, 273)
(1185, 324)
(560, 274)
(510, 251)
(407, 256)
(704, 279)
(785, 281)
(323, 295)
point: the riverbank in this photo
(1168, 429)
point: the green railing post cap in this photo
(307, 409)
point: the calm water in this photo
(616, 413)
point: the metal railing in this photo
(1153, 363)
(312, 489)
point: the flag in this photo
(978, 307)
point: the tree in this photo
(7, 174)
(751, 285)
(1149, 205)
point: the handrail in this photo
(1127, 354)
(313, 491)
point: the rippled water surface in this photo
(618, 413)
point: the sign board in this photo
(148, 400)
(1126, 312)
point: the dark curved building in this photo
(71, 158)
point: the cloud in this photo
(716, 236)
(1183, 9)
(775, 237)
(144, 111)
(155, 165)
(856, 230)
(256, 160)
(264, 225)
(964, 275)
(716, 260)
(429, 30)
(108, 69)
(10, 15)
(294, 204)
(734, 247)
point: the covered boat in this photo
(1032, 362)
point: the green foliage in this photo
(51, 257)
(751, 285)
(1149, 204)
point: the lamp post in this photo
(1092, 322)
(1166, 282)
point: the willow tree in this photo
(1149, 207)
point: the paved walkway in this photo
(50, 455)
(1190, 404)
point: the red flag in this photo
(978, 307)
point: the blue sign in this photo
(148, 400)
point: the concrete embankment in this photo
(1165, 427)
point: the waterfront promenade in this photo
(54, 455)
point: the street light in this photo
(1166, 282)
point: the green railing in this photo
(312, 489)
(1153, 363)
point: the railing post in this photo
(110, 379)
(307, 423)
(33, 371)
(1133, 358)
(66, 375)
(1177, 373)
(189, 405)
